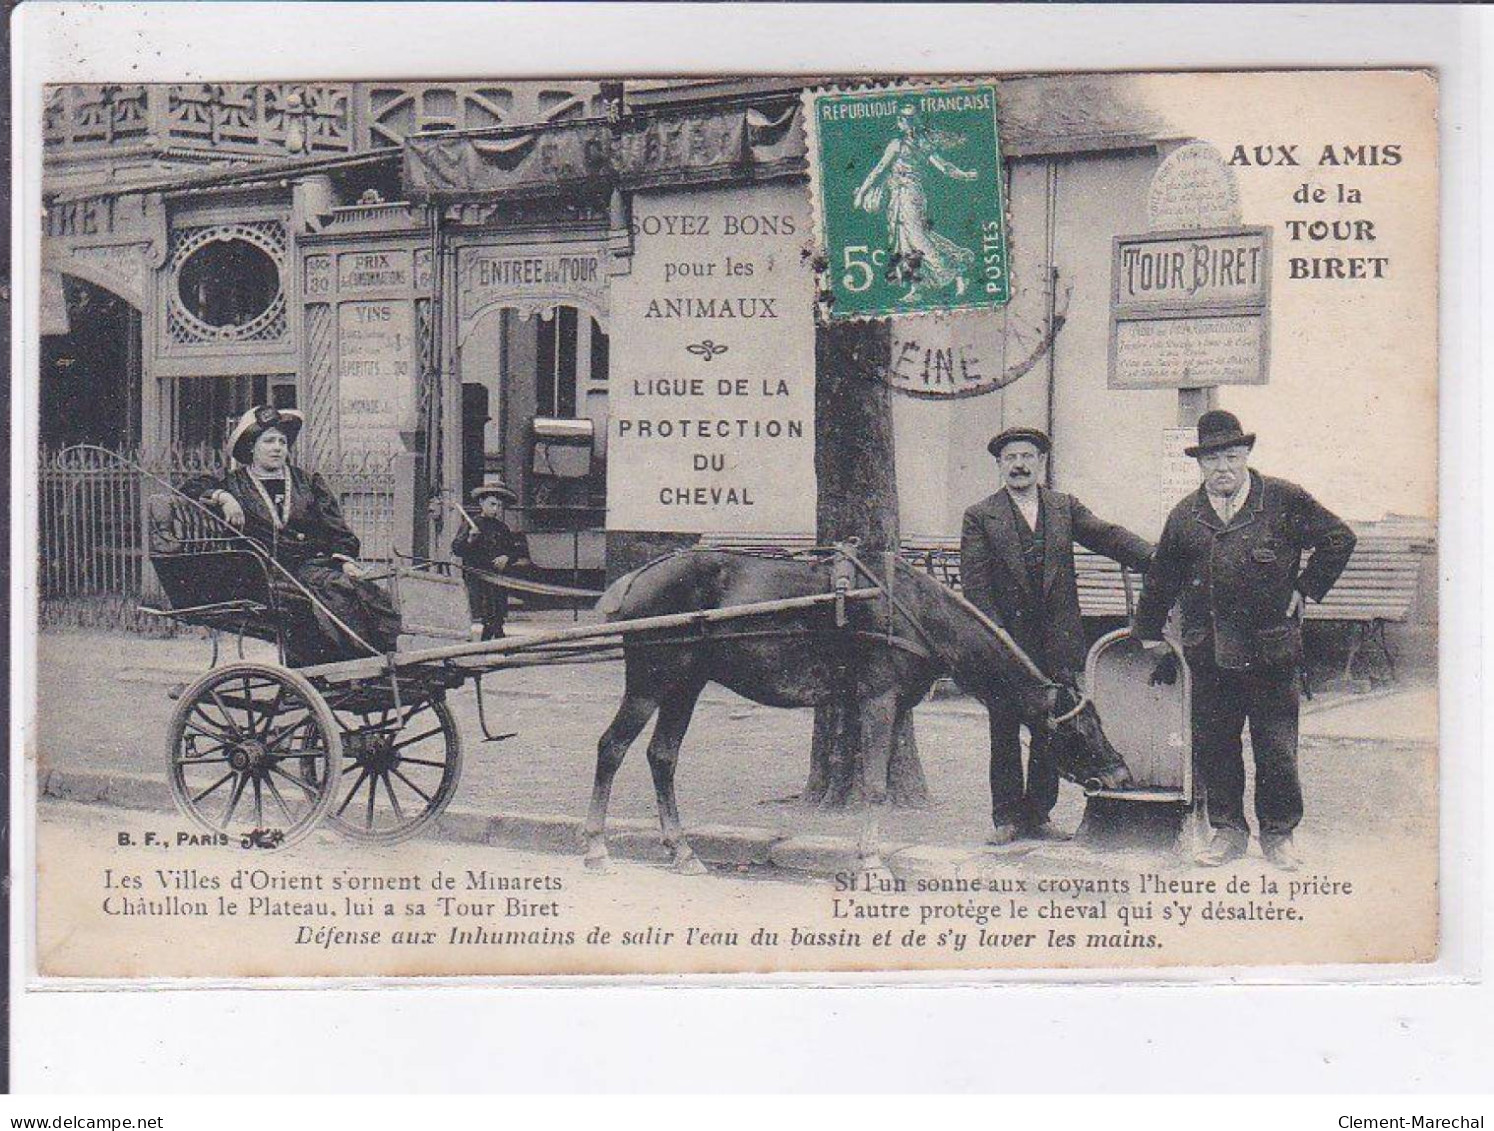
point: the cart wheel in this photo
(254, 752)
(399, 772)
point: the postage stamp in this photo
(909, 209)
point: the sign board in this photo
(1187, 353)
(1193, 188)
(1190, 309)
(373, 270)
(376, 358)
(711, 398)
(530, 278)
(1180, 474)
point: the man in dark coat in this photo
(486, 546)
(1017, 566)
(1231, 552)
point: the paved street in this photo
(103, 707)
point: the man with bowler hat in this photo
(486, 545)
(1017, 566)
(1231, 553)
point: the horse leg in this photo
(663, 755)
(632, 716)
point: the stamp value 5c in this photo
(909, 199)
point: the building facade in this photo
(430, 272)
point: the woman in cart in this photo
(295, 515)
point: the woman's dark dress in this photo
(311, 544)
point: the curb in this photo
(727, 846)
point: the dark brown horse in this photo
(800, 659)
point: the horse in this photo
(894, 647)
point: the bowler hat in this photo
(1035, 436)
(256, 422)
(1218, 430)
(499, 488)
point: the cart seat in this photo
(213, 577)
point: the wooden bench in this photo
(1376, 589)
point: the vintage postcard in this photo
(737, 526)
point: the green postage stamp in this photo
(909, 199)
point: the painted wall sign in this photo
(1190, 310)
(711, 403)
(379, 269)
(531, 279)
(1193, 188)
(376, 358)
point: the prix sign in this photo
(1190, 309)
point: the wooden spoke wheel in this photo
(255, 752)
(400, 769)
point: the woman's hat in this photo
(1034, 436)
(1218, 430)
(499, 488)
(256, 422)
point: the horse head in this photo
(1083, 753)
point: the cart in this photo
(264, 753)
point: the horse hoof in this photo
(598, 862)
(690, 866)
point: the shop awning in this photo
(641, 151)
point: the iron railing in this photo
(92, 536)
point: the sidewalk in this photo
(103, 712)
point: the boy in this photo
(487, 545)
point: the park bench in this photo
(1376, 589)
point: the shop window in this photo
(207, 408)
(555, 368)
(557, 371)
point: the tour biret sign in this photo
(1190, 309)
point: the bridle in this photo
(1073, 712)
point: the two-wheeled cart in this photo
(265, 752)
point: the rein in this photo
(1000, 633)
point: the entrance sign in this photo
(530, 279)
(1190, 310)
(909, 199)
(712, 398)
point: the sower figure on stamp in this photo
(1232, 553)
(486, 544)
(1017, 566)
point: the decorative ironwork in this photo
(184, 326)
(89, 115)
(267, 118)
(92, 529)
(396, 111)
(320, 436)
